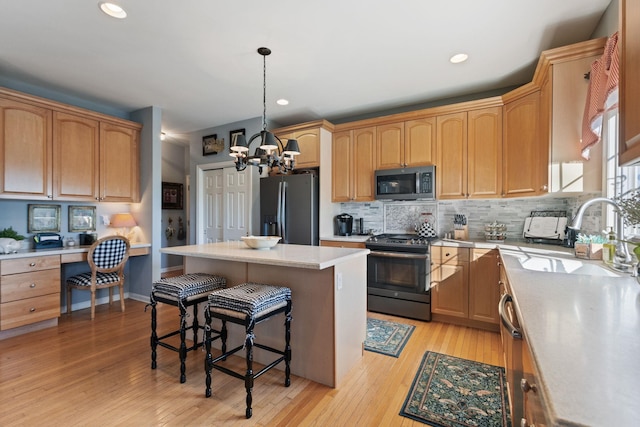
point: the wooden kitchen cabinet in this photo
(119, 163)
(29, 290)
(342, 244)
(484, 288)
(450, 281)
(470, 154)
(629, 86)
(406, 144)
(451, 169)
(465, 286)
(55, 151)
(310, 137)
(353, 163)
(530, 387)
(25, 147)
(76, 151)
(522, 157)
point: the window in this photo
(618, 180)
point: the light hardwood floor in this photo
(84, 373)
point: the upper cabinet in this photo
(406, 144)
(523, 147)
(25, 144)
(470, 154)
(54, 151)
(563, 94)
(353, 164)
(629, 87)
(310, 137)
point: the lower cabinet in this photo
(342, 244)
(465, 286)
(29, 290)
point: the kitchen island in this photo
(329, 296)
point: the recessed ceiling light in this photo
(282, 102)
(458, 58)
(113, 10)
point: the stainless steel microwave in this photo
(406, 183)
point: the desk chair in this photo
(107, 258)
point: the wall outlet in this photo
(105, 220)
(339, 281)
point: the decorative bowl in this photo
(261, 242)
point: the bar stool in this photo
(182, 291)
(247, 304)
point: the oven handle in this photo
(399, 255)
(513, 331)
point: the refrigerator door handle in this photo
(278, 213)
(283, 211)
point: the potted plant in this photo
(11, 234)
(630, 206)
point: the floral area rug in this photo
(452, 392)
(386, 337)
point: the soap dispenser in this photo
(609, 248)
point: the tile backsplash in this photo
(390, 217)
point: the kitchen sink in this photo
(554, 264)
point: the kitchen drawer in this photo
(449, 255)
(31, 310)
(28, 285)
(25, 265)
(342, 244)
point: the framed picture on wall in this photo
(212, 145)
(172, 195)
(44, 219)
(82, 218)
(232, 136)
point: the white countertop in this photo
(286, 255)
(584, 335)
(355, 238)
(59, 251)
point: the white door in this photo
(213, 189)
(237, 203)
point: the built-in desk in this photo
(30, 286)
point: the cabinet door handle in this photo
(513, 331)
(32, 264)
(33, 285)
(32, 309)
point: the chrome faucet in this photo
(622, 260)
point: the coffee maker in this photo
(344, 224)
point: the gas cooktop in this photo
(400, 242)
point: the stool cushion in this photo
(249, 298)
(188, 285)
(84, 279)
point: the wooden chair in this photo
(107, 258)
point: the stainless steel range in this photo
(398, 275)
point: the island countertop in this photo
(285, 255)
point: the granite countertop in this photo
(59, 251)
(584, 334)
(300, 256)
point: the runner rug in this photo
(386, 337)
(452, 392)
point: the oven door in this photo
(399, 275)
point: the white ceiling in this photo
(332, 59)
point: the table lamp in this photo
(125, 222)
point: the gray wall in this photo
(174, 169)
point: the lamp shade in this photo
(121, 220)
(269, 142)
(240, 144)
(292, 147)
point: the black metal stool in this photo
(247, 304)
(181, 291)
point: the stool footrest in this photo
(174, 348)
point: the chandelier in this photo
(271, 153)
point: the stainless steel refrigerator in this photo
(289, 208)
